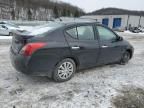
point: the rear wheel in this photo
(64, 70)
(125, 58)
(10, 34)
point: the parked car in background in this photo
(141, 29)
(9, 29)
(59, 49)
(135, 30)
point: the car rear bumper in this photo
(21, 64)
(18, 62)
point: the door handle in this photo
(104, 46)
(75, 47)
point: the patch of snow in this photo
(27, 28)
(92, 88)
(5, 37)
(128, 32)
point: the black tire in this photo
(125, 58)
(10, 34)
(57, 74)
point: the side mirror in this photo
(3, 26)
(120, 38)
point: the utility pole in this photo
(139, 21)
(128, 23)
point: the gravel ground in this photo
(92, 88)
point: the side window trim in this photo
(96, 32)
(79, 25)
(72, 27)
(77, 32)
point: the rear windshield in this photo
(44, 29)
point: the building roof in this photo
(116, 11)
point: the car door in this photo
(110, 47)
(83, 44)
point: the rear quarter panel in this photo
(44, 60)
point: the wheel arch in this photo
(130, 51)
(75, 59)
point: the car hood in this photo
(13, 28)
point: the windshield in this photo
(41, 30)
(12, 25)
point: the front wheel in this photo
(10, 34)
(125, 58)
(64, 70)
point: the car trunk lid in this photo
(18, 41)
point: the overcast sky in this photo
(92, 5)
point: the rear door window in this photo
(82, 32)
(85, 32)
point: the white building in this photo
(118, 21)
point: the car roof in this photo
(68, 23)
(71, 21)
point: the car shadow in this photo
(112, 65)
(33, 79)
(45, 79)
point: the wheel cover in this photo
(65, 70)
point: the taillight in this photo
(30, 48)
